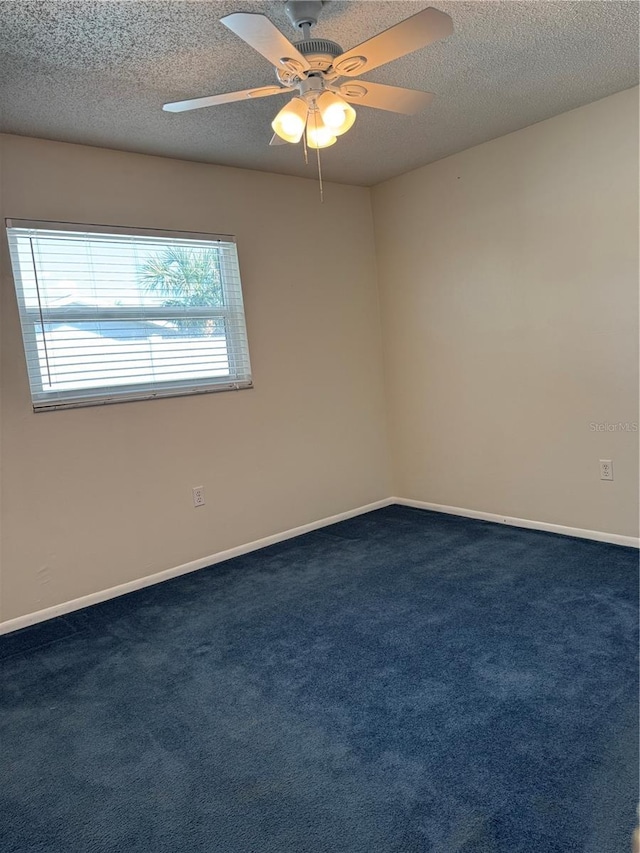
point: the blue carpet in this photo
(403, 682)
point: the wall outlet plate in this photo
(606, 469)
(198, 495)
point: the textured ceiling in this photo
(98, 72)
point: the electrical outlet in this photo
(198, 495)
(606, 469)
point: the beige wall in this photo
(99, 496)
(509, 296)
(508, 286)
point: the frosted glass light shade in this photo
(290, 121)
(336, 113)
(318, 134)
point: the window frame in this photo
(32, 317)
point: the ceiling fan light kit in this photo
(321, 110)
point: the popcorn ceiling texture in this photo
(98, 71)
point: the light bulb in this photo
(337, 114)
(334, 115)
(290, 121)
(318, 134)
(291, 125)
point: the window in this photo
(109, 314)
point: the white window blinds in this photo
(110, 315)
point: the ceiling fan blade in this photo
(276, 140)
(213, 100)
(409, 35)
(381, 97)
(266, 38)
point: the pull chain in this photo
(320, 176)
(315, 122)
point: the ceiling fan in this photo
(314, 71)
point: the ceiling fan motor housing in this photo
(319, 53)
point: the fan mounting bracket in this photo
(303, 13)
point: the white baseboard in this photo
(598, 535)
(203, 562)
(193, 566)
